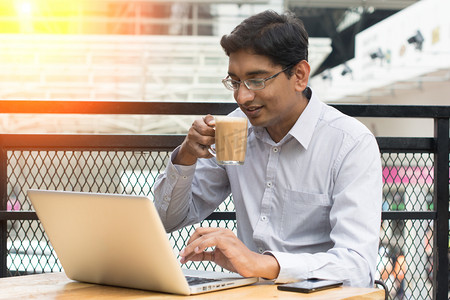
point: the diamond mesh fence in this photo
(406, 247)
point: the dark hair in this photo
(282, 38)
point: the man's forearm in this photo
(171, 197)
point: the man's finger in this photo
(209, 120)
(202, 231)
(202, 256)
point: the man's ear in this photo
(301, 73)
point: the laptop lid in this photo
(114, 240)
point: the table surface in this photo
(58, 286)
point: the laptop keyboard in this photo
(199, 280)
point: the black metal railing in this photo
(414, 232)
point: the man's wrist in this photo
(184, 158)
(268, 268)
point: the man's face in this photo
(277, 106)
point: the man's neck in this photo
(277, 133)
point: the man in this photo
(308, 197)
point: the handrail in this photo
(200, 108)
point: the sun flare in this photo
(46, 16)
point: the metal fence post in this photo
(441, 204)
(3, 206)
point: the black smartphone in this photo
(310, 285)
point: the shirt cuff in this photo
(180, 170)
(292, 267)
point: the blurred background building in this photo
(361, 51)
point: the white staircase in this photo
(115, 67)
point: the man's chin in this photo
(257, 122)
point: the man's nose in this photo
(243, 94)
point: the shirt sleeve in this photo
(185, 195)
(355, 219)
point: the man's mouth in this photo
(252, 110)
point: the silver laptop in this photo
(119, 240)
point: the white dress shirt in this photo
(313, 200)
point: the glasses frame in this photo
(228, 82)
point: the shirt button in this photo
(261, 250)
(269, 184)
(263, 218)
(275, 149)
(166, 198)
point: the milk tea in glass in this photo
(231, 140)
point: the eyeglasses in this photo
(253, 84)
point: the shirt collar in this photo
(303, 129)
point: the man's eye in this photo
(255, 82)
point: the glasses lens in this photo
(231, 84)
(255, 84)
